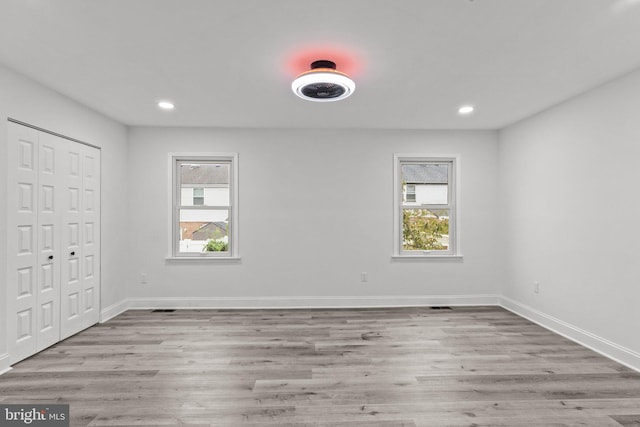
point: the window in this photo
(204, 208)
(410, 192)
(425, 212)
(198, 196)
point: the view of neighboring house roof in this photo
(211, 230)
(204, 174)
(425, 174)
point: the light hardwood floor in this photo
(480, 366)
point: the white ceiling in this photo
(230, 63)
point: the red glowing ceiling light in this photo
(298, 61)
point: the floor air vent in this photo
(163, 310)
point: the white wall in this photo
(569, 189)
(27, 101)
(315, 212)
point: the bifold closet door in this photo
(47, 241)
(80, 238)
(53, 239)
(90, 243)
(21, 245)
(33, 285)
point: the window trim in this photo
(174, 205)
(454, 204)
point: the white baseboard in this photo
(113, 310)
(613, 351)
(312, 302)
(4, 363)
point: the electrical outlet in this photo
(536, 287)
(364, 277)
(143, 277)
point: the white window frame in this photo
(453, 191)
(175, 205)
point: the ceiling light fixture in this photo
(466, 109)
(166, 105)
(323, 83)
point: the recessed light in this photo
(323, 83)
(166, 105)
(466, 109)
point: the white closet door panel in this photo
(90, 242)
(71, 224)
(48, 265)
(22, 231)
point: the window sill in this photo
(453, 258)
(203, 259)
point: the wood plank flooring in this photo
(480, 366)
